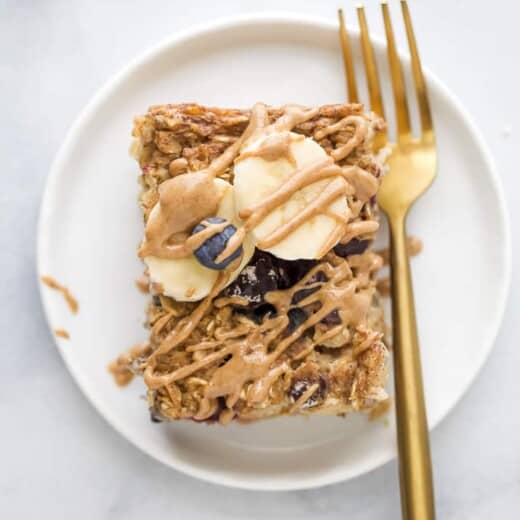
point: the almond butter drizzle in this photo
(259, 390)
(358, 228)
(360, 133)
(365, 184)
(306, 175)
(253, 360)
(184, 201)
(274, 147)
(187, 324)
(230, 300)
(188, 198)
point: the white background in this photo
(58, 458)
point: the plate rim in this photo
(111, 85)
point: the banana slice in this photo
(185, 279)
(256, 178)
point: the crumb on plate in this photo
(49, 281)
(62, 333)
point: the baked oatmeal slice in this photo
(258, 238)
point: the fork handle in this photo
(415, 471)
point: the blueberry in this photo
(292, 271)
(296, 317)
(333, 318)
(207, 253)
(225, 360)
(259, 313)
(354, 247)
(257, 278)
(265, 273)
(221, 405)
(302, 294)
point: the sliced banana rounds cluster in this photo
(256, 178)
(185, 279)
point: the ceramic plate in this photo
(90, 226)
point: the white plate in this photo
(90, 225)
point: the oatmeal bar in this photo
(258, 232)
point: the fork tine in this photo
(396, 74)
(418, 77)
(347, 60)
(374, 90)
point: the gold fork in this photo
(412, 168)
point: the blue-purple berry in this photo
(208, 252)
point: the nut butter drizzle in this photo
(186, 325)
(360, 133)
(306, 175)
(273, 147)
(188, 198)
(173, 217)
(252, 358)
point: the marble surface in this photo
(59, 458)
